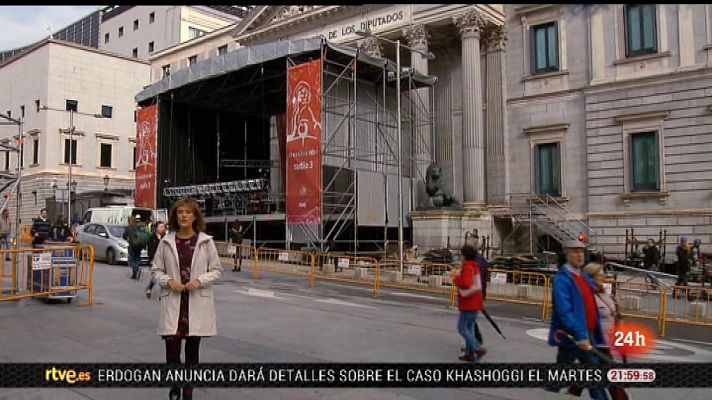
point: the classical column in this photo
(371, 46)
(494, 39)
(417, 39)
(473, 156)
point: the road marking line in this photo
(258, 292)
(694, 342)
(420, 296)
(341, 303)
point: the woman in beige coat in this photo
(185, 266)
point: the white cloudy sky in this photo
(27, 24)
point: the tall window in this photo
(548, 169)
(645, 161)
(222, 50)
(133, 163)
(195, 32)
(105, 155)
(7, 161)
(37, 105)
(106, 111)
(166, 69)
(135, 24)
(134, 52)
(22, 111)
(121, 31)
(35, 151)
(106, 37)
(73, 151)
(151, 17)
(192, 60)
(150, 47)
(640, 29)
(545, 48)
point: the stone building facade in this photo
(49, 75)
(622, 95)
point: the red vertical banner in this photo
(146, 133)
(303, 143)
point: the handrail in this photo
(551, 215)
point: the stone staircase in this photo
(549, 216)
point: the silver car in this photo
(108, 243)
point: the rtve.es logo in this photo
(67, 375)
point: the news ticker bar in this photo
(326, 375)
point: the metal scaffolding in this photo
(360, 134)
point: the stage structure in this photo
(299, 136)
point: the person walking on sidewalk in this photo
(610, 314)
(575, 313)
(152, 247)
(40, 229)
(137, 237)
(469, 298)
(651, 256)
(237, 235)
(186, 266)
(683, 252)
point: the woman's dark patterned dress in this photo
(185, 248)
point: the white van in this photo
(119, 215)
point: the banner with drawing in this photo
(146, 132)
(303, 143)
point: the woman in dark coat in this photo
(237, 235)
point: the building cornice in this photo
(650, 213)
(641, 116)
(525, 10)
(546, 129)
(73, 45)
(291, 25)
(674, 76)
(558, 94)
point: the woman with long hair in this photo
(185, 266)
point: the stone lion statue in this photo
(435, 187)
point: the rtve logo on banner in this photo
(67, 375)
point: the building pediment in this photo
(265, 16)
(283, 21)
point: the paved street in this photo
(281, 319)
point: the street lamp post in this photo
(72, 111)
(430, 56)
(400, 160)
(71, 161)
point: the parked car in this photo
(119, 215)
(108, 243)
